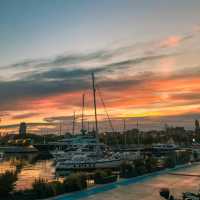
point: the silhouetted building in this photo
(197, 127)
(22, 130)
(175, 130)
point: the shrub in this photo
(75, 182)
(104, 176)
(195, 155)
(151, 164)
(7, 183)
(183, 157)
(170, 162)
(108, 172)
(127, 170)
(107, 179)
(140, 167)
(98, 175)
(42, 189)
(27, 194)
(58, 187)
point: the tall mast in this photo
(83, 106)
(124, 131)
(138, 133)
(95, 106)
(88, 126)
(60, 128)
(73, 123)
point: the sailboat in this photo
(91, 159)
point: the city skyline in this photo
(145, 57)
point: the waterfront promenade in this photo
(149, 189)
(144, 188)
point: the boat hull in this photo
(89, 165)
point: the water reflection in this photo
(29, 167)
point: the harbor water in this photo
(30, 166)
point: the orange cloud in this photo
(171, 41)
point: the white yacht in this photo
(80, 145)
(81, 162)
(63, 155)
(1, 156)
(164, 146)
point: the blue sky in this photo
(40, 28)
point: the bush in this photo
(151, 164)
(75, 182)
(7, 183)
(170, 162)
(140, 167)
(27, 194)
(195, 156)
(42, 189)
(58, 187)
(98, 175)
(127, 170)
(183, 157)
(104, 176)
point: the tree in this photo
(7, 183)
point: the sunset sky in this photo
(145, 55)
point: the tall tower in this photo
(197, 128)
(22, 130)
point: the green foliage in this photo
(27, 194)
(75, 182)
(42, 189)
(183, 157)
(104, 176)
(170, 161)
(7, 183)
(58, 187)
(140, 166)
(99, 174)
(127, 170)
(151, 164)
(195, 155)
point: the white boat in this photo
(62, 156)
(85, 148)
(164, 146)
(83, 162)
(1, 156)
(91, 153)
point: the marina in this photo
(99, 100)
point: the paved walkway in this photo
(149, 189)
(144, 188)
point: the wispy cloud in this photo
(130, 76)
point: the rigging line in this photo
(86, 94)
(102, 101)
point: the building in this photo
(197, 127)
(22, 130)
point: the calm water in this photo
(32, 166)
